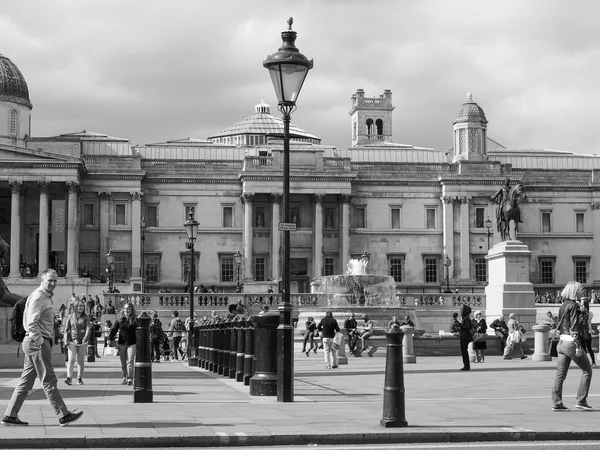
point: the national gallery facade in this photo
(65, 201)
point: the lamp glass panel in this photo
(287, 80)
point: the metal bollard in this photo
(241, 347)
(540, 352)
(264, 380)
(393, 389)
(211, 347)
(218, 343)
(226, 344)
(200, 333)
(408, 350)
(249, 353)
(191, 345)
(342, 358)
(233, 348)
(142, 385)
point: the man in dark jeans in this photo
(350, 325)
(465, 335)
(328, 326)
(177, 327)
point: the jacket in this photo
(570, 320)
(466, 327)
(127, 332)
(328, 326)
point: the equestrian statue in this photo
(507, 198)
(7, 298)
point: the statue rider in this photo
(500, 198)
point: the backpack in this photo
(17, 331)
(179, 326)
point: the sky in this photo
(152, 71)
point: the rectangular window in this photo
(227, 268)
(579, 224)
(260, 268)
(431, 270)
(430, 217)
(546, 222)
(581, 270)
(151, 216)
(186, 262)
(547, 270)
(227, 216)
(395, 216)
(190, 209)
(120, 214)
(122, 265)
(88, 214)
(479, 220)
(359, 217)
(152, 268)
(396, 268)
(480, 269)
(329, 266)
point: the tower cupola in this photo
(470, 132)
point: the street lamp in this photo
(143, 237)
(110, 259)
(191, 229)
(238, 262)
(447, 264)
(488, 225)
(288, 69)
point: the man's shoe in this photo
(583, 406)
(315, 350)
(335, 366)
(307, 353)
(523, 357)
(465, 369)
(560, 407)
(13, 421)
(79, 381)
(327, 367)
(70, 418)
(68, 381)
(129, 382)
(124, 381)
(594, 365)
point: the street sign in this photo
(283, 226)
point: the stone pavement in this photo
(496, 401)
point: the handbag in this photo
(479, 337)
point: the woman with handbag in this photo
(479, 341)
(77, 335)
(309, 335)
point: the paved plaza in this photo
(497, 400)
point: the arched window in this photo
(13, 122)
(369, 127)
(379, 125)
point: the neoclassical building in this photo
(65, 201)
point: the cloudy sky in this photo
(153, 70)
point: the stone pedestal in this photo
(541, 343)
(408, 349)
(509, 290)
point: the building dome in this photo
(470, 112)
(13, 87)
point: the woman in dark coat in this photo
(481, 345)
(465, 335)
(126, 326)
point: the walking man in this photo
(38, 321)
(328, 326)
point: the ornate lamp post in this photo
(488, 225)
(110, 260)
(447, 264)
(288, 69)
(143, 238)
(191, 229)
(238, 262)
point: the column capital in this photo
(44, 186)
(466, 199)
(73, 187)
(318, 198)
(104, 195)
(447, 199)
(347, 198)
(136, 196)
(247, 197)
(16, 186)
(276, 197)
(595, 205)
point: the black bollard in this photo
(233, 348)
(239, 357)
(142, 385)
(264, 380)
(393, 389)
(214, 343)
(218, 327)
(248, 352)
(201, 345)
(225, 350)
(195, 343)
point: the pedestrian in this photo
(328, 326)
(351, 327)
(366, 332)
(465, 335)
(177, 327)
(309, 335)
(480, 345)
(156, 335)
(407, 321)
(570, 348)
(107, 327)
(394, 321)
(455, 325)
(126, 326)
(500, 328)
(38, 321)
(77, 336)
(515, 339)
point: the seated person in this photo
(407, 321)
(394, 321)
(351, 328)
(366, 331)
(454, 324)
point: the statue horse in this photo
(7, 298)
(510, 211)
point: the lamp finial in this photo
(290, 21)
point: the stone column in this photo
(44, 226)
(15, 228)
(595, 261)
(345, 232)
(448, 225)
(465, 253)
(104, 225)
(248, 232)
(318, 236)
(136, 234)
(72, 230)
(276, 236)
